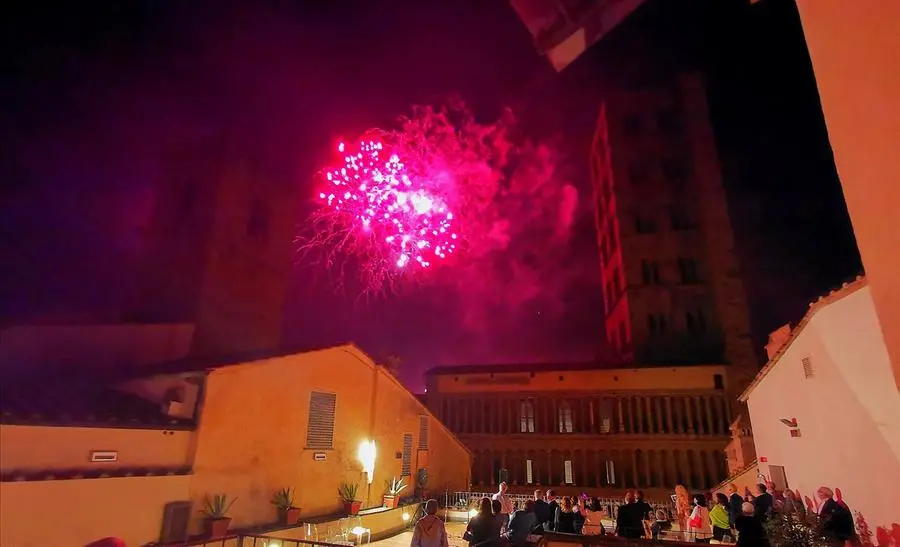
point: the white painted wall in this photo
(848, 412)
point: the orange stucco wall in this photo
(252, 434)
(27, 448)
(847, 411)
(855, 52)
(71, 513)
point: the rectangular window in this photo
(529, 470)
(687, 267)
(526, 417)
(610, 472)
(320, 424)
(567, 468)
(406, 466)
(565, 418)
(423, 432)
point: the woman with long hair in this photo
(480, 532)
(565, 517)
(682, 508)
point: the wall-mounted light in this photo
(366, 455)
(405, 517)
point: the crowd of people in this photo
(731, 517)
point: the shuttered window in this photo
(423, 432)
(406, 467)
(320, 429)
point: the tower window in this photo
(649, 272)
(669, 122)
(656, 324)
(680, 219)
(718, 381)
(687, 267)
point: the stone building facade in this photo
(673, 294)
(582, 427)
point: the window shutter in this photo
(320, 427)
(406, 467)
(423, 432)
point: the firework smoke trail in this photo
(496, 191)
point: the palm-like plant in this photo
(347, 491)
(283, 499)
(394, 486)
(217, 507)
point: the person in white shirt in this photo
(506, 504)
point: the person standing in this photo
(720, 518)
(735, 501)
(553, 508)
(763, 503)
(522, 524)
(506, 504)
(430, 530)
(837, 521)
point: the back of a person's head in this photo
(762, 488)
(485, 506)
(431, 507)
(747, 508)
(639, 495)
(595, 504)
(538, 494)
(566, 504)
(551, 493)
(496, 507)
(700, 500)
(722, 498)
(529, 505)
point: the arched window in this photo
(526, 417)
(565, 417)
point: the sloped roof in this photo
(837, 294)
(74, 402)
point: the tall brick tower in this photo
(219, 251)
(672, 287)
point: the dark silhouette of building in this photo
(673, 293)
(218, 251)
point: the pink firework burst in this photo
(387, 209)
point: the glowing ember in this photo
(375, 195)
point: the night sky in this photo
(97, 94)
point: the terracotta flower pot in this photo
(289, 516)
(352, 508)
(391, 501)
(216, 528)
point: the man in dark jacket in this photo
(837, 521)
(762, 503)
(735, 503)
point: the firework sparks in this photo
(374, 196)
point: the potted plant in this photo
(347, 492)
(215, 510)
(392, 489)
(283, 500)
